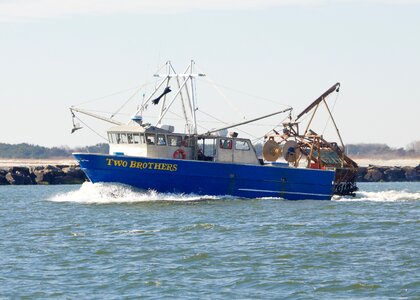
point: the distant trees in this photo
(25, 150)
(414, 146)
(412, 149)
(373, 150)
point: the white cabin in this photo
(135, 139)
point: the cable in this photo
(128, 100)
(329, 116)
(91, 129)
(106, 96)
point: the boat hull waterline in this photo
(208, 178)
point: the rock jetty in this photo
(388, 174)
(49, 174)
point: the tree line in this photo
(371, 150)
(24, 150)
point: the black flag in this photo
(167, 90)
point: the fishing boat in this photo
(215, 162)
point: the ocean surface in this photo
(111, 242)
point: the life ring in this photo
(179, 154)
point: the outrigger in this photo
(155, 157)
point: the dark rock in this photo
(361, 173)
(37, 168)
(55, 175)
(3, 180)
(18, 178)
(53, 168)
(62, 166)
(411, 174)
(73, 175)
(50, 175)
(394, 174)
(39, 176)
(20, 170)
(374, 174)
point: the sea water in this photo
(113, 242)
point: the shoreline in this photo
(29, 162)
(67, 171)
(392, 162)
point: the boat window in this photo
(130, 138)
(225, 143)
(111, 138)
(124, 139)
(118, 138)
(242, 145)
(174, 140)
(188, 141)
(161, 141)
(209, 148)
(138, 139)
(150, 138)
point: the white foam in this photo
(382, 196)
(117, 193)
(98, 193)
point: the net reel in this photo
(271, 150)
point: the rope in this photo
(229, 102)
(226, 124)
(278, 125)
(329, 117)
(106, 96)
(249, 94)
(91, 129)
(128, 100)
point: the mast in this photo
(194, 100)
(187, 86)
(184, 84)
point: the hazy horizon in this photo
(270, 54)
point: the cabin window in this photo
(188, 141)
(150, 139)
(209, 148)
(111, 138)
(130, 138)
(174, 140)
(161, 140)
(225, 143)
(124, 139)
(138, 139)
(242, 145)
(118, 138)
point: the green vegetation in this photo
(383, 150)
(374, 150)
(25, 150)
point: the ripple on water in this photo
(145, 244)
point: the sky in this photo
(264, 56)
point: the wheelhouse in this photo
(136, 140)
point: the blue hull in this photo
(209, 178)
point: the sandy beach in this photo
(5, 163)
(408, 162)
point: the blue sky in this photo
(55, 54)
